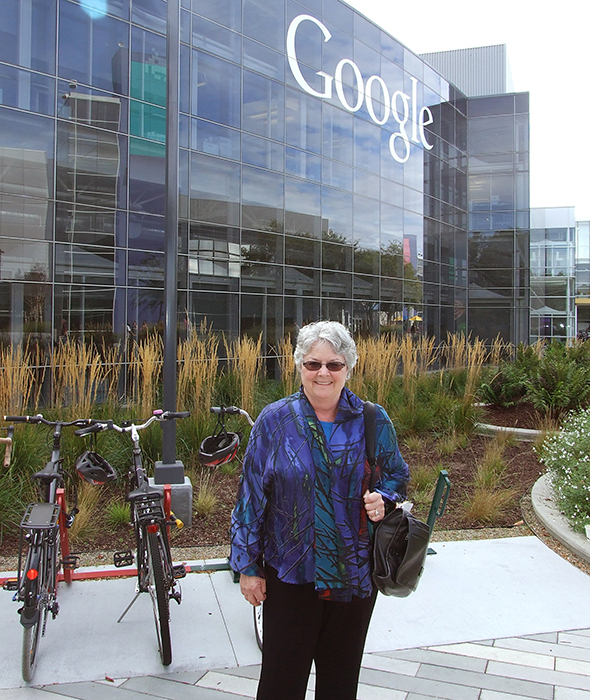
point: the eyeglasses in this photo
(314, 365)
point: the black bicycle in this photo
(41, 555)
(221, 448)
(156, 574)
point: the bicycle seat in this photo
(48, 474)
(144, 491)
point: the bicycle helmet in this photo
(95, 469)
(219, 449)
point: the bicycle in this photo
(37, 578)
(218, 449)
(151, 518)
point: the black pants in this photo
(299, 628)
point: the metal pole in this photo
(171, 246)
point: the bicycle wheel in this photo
(158, 588)
(35, 595)
(258, 612)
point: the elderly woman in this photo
(300, 529)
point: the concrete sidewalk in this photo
(506, 592)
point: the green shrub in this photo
(566, 455)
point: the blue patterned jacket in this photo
(274, 515)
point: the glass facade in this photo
(498, 248)
(553, 274)
(325, 171)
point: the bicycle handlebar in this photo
(39, 419)
(159, 415)
(231, 411)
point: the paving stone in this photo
(575, 639)
(581, 668)
(227, 683)
(189, 677)
(424, 686)
(562, 651)
(440, 658)
(382, 663)
(93, 691)
(540, 675)
(243, 671)
(498, 654)
(571, 694)
(494, 695)
(483, 680)
(544, 637)
(161, 688)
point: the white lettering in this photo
(359, 85)
(402, 121)
(401, 106)
(369, 99)
(422, 122)
(294, 64)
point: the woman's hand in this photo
(375, 506)
(253, 588)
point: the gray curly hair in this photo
(331, 332)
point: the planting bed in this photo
(523, 469)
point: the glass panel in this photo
(264, 21)
(336, 257)
(26, 154)
(25, 260)
(218, 310)
(25, 217)
(261, 279)
(27, 38)
(302, 282)
(215, 140)
(337, 175)
(302, 208)
(263, 200)
(337, 284)
(304, 118)
(145, 269)
(147, 161)
(262, 247)
(263, 111)
(262, 314)
(366, 184)
(75, 223)
(88, 164)
(216, 92)
(491, 135)
(150, 14)
(341, 15)
(148, 67)
(29, 91)
(264, 60)
(302, 252)
(215, 190)
(303, 164)
(146, 232)
(337, 134)
(336, 216)
(90, 52)
(84, 264)
(226, 12)
(366, 221)
(217, 40)
(147, 121)
(263, 153)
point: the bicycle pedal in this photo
(11, 584)
(70, 562)
(123, 558)
(176, 594)
(179, 570)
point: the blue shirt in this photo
(274, 517)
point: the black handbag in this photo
(400, 540)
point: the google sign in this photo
(399, 106)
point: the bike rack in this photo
(63, 537)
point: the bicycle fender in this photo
(29, 616)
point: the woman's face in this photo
(323, 387)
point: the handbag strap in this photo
(369, 413)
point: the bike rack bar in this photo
(63, 533)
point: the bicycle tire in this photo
(158, 589)
(258, 617)
(31, 634)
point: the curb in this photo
(524, 434)
(550, 517)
